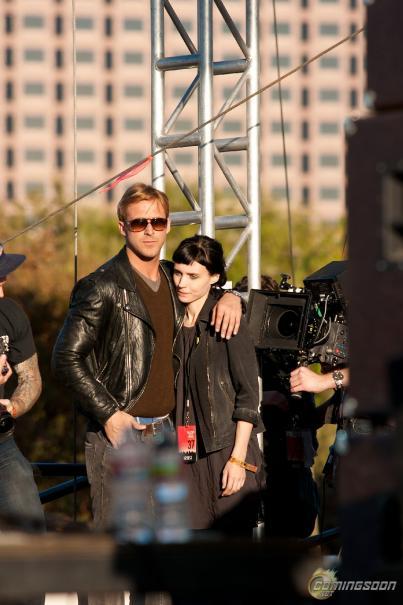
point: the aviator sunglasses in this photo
(140, 224)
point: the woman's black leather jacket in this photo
(104, 350)
(223, 381)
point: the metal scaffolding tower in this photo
(211, 150)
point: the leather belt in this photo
(158, 426)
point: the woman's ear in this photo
(214, 278)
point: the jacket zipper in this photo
(128, 355)
(209, 389)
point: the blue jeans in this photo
(19, 499)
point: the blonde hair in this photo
(139, 192)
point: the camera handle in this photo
(302, 361)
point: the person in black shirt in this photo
(19, 499)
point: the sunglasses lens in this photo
(137, 224)
(159, 224)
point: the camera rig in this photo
(303, 325)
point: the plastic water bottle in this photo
(131, 516)
(170, 492)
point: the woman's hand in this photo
(233, 478)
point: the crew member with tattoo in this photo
(19, 498)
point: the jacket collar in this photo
(205, 313)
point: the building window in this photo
(285, 94)
(108, 26)
(328, 1)
(353, 4)
(85, 90)
(329, 29)
(329, 193)
(304, 3)
(353, 65)
(228, 90)
(304, 31)
(9, 157)
(59, 91)
(283, 61)
(33, 21)
(10, 190)
(34, 188)
(277, 159)
(8, 56)
(132, 157)
(34, 122)
(59, 125)
(34, 155)
(183, 159)
(304, 59)
(178, 91)
(305, 163)
(108, 93)
(84, 188)
(305, 196)
(85, 156)
(9, 91)
(353, 29)
(108, 59)
(34, 88)
(329, 160)
(58, 25)
(133, 124)
(183, 125)
(329, 128)
(329, 63)
(85, 23)
(34, 55)
(353, 98)
(9, 123)
(85, 56)
(85, 123)
(110, 195)
(276, 127)
(8, 24)
(232, 126)
(283, 28)
(133, 90)
(305, 97)
(305, 130)
(133, 25)
(59, 59)
(133, 57)
(59, 158)
(109, 159)
(279, 193)
(109, 126)
(233, 159)
(329, 95)
(226, 30)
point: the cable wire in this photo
(184, 136)
(287, 185)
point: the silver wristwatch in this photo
(338, 378)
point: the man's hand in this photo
(226, 315)
(304, 379)
(233, 478)
(116, 426)
(4, 364)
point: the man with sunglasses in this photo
(115, 349)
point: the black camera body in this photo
(6, 420)
(303, 325)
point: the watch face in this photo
(337, 375)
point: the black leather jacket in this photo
(223, 380)
(104, 350)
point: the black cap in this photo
(9, 262)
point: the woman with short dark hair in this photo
(217, 398)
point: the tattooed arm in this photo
(28, 389)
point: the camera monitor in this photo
(278, 320)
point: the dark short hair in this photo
(204, 250)
(266, 283)
(139, 192)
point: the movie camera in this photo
(301, 326)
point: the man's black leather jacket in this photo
(104, 350)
